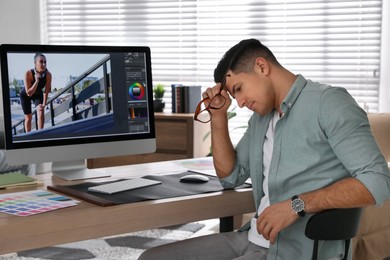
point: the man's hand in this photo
(211, 93)
(274, 219)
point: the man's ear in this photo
(261, 66)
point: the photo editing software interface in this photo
(135, 75)
(96, 92)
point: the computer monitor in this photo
(100, 105)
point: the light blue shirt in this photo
(323, 137)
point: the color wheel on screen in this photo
(137, 91)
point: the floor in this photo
(126, 246)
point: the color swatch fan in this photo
(33, 202)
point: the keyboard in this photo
(119, 186)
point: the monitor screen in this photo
(64, 104)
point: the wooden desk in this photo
(88, 221)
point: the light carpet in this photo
(127, 246)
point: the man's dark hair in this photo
(241, 58)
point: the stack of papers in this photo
(17, 179)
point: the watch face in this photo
(298, 205)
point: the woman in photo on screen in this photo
(35, 80)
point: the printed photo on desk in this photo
(202, 165)
(33, 202)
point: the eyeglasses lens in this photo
(202, 113)
(204, 116)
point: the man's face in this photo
(40, 64)
(252, 90)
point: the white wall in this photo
(19, 21)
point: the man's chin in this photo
(261, 112)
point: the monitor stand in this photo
(76, 170)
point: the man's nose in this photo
(240, 102)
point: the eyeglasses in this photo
(202, 112)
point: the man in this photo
(307, 143)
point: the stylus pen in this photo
(199, 172)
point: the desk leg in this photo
(226, 224)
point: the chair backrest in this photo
(380, 127)
(333, 224)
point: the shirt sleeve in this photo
(241, 170)
(348, 131)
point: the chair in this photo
(333, 224)
(373, 236)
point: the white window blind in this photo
(334, 42)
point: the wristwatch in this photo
(298, 205)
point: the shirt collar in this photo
(293, 94)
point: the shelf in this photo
(178, 136)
